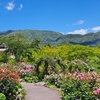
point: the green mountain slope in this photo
(92, 39)
(46, 36)
(54, 38)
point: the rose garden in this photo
(73, 69)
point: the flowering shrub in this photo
(79, 86)
(97, 92)
(9, 83)
(76, 86)
(53, 79)
(26, 72)
(25, 69)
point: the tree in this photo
(36, 43)
(16, 44)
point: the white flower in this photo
(19, 90)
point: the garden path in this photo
(40, 92)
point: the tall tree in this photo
(16, 44)
(36, 43)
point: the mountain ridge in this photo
(57, 38)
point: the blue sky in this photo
(65, 16)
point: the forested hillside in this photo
(56, 38)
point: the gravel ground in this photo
(40, 92)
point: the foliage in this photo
(54, 38)
(9, 84)
(96, 92)
(32, 52)
(36, 43)
(31, 79)
(78, 66)
(3, 58)
(26, 72)
(11, 61)
(45, 36)
(16, 44)
(2, 96)
(76, 86)
(53, 79)
(85, 57)
(80, 61)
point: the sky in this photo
(64, 16)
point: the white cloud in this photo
(21, 6)
(10, 6)
(79, 22)
(81, 31)
(96, 28)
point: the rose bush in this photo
(24, 69)
(96, 92)
(9, 84)
(76, 86)
(26, 73)
(53, 79)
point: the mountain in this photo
(56, 38)
(92, 39)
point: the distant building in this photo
(2, 48)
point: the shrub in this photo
(31, 79)
(53, 79)
(3, 58)
(2, 96)
(79, 86)
(76, 86)
(26, 72)
(9, 83)
(96, 92)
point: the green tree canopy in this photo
(16, 44)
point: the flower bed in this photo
(76, 86)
